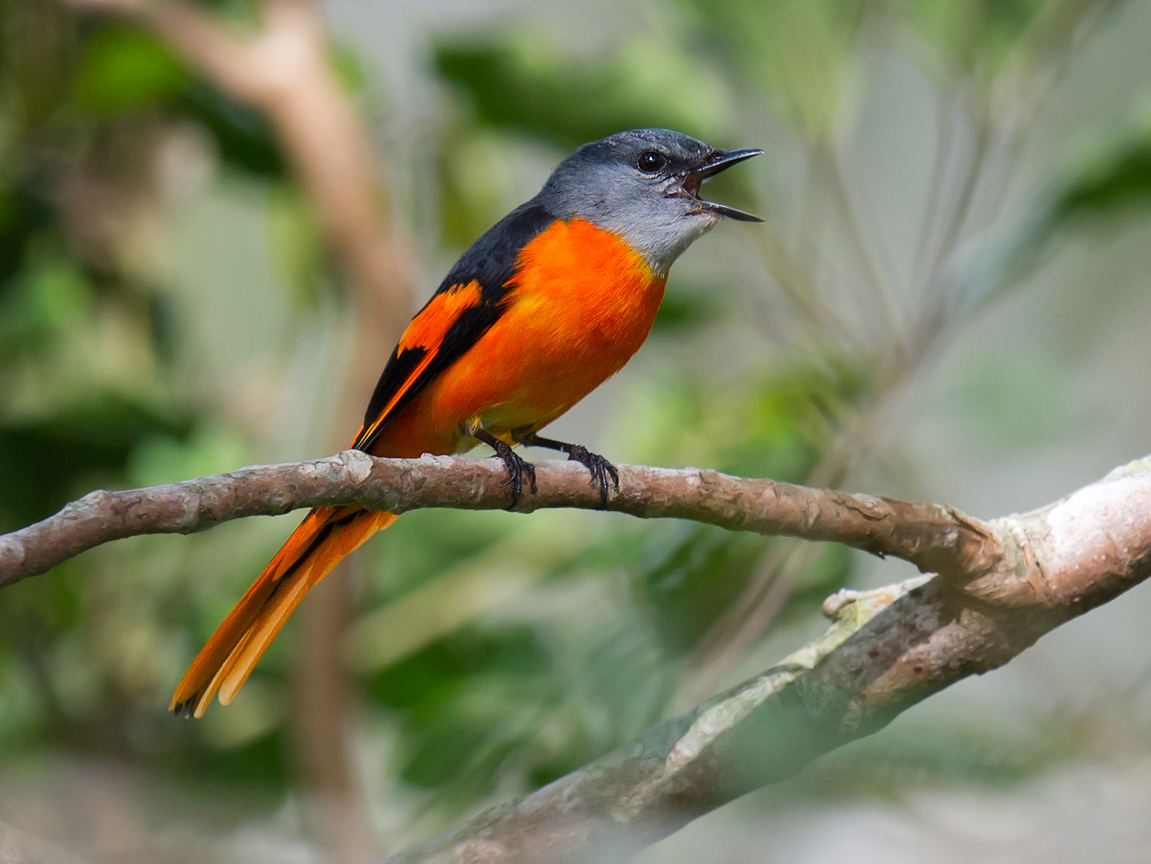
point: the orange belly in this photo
(581, 305)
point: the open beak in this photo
(719, 161)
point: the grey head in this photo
(643, 186)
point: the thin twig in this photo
(880, 290)
(945, 132)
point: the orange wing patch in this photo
(426, 331)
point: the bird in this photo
(546, 305)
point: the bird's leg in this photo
(599, 467)
(517, 467)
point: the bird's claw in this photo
(517, 470)
(599, 468)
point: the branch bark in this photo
(999, 586)
(885, 651)
(935, 538)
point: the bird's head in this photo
(643, 186)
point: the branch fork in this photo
(990, 590)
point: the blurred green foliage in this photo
(88, 385)
(979, 37)
(1117, 182)
(123, 69)
(527, 84)
(799, 53)
(97, 388)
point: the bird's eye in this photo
(650, 161)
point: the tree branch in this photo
(1000, 586)
(885, 651)
(934, 538)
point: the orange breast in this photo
(581, 305)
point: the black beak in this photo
(719, 161)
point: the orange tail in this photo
(325, 536)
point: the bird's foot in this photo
(518, 469)
(599, 468)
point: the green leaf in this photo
(463, 703)
(1118, 182)
(694, 579)
(124, 68)
(25, 214)
(790, 418)
(530, 85)
(242, 134)
(44, 461)
(1113, 185)
(45, 300)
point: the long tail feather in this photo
(325, 536)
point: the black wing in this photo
(490, 263)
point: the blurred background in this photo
(216, 217)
